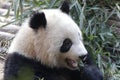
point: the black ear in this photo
(38, 20)
(65, 7)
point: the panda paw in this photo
(91, 72)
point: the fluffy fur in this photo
(44, 44)
(38, 46)
(17, 64)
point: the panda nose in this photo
(83, 57)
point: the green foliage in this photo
(25, 73)
(100, 40)
(92, 17)
(23, 8)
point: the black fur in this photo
(65, 7)
(90, 72)
(37, 20)
(15, 62)
(67, 43)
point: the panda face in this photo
(59, 42)
(51, 37)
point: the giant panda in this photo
(49, 46)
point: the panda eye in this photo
(67, 43)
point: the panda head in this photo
(56, 39)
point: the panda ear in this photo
(65, 7)
(37, 20)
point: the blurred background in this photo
(99, 21)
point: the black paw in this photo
(91, 72)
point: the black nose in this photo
(83, 57)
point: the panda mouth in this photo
(72, 63)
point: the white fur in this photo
(45, 44)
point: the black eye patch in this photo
(67, 43)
